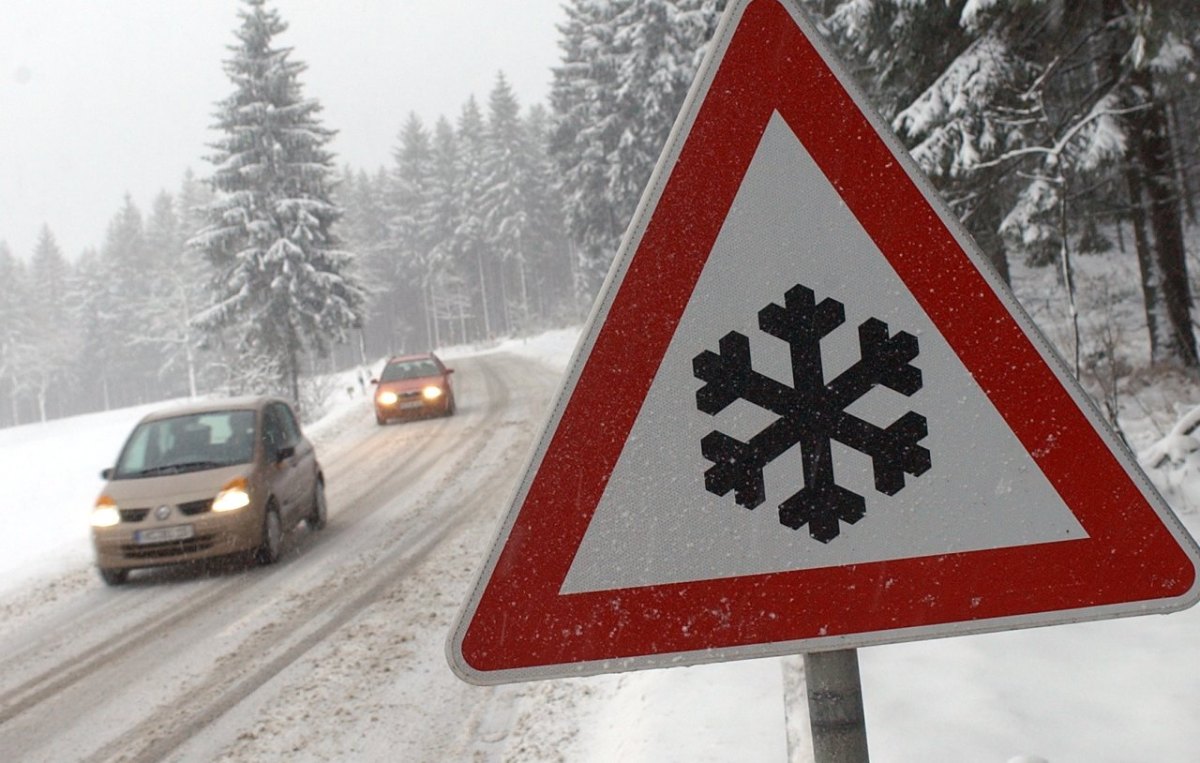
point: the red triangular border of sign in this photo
(521, 621)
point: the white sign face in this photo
(806, 415)
(656, 522)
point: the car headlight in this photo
(431, 392)
(235, 495)
(388, 398)
(105, 513)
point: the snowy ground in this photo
(1112, 691)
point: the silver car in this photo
(208, 479)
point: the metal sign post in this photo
(835, 706)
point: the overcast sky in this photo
(99, 98)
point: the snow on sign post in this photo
(806, 416)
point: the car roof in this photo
(208, 405)
(415, 356)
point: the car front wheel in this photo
(272, 538)
(320, 511)
(113, 577)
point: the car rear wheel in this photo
(320, 511)
(114, 577)
(272, 538)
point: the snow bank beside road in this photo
(1105, 692)
(49, 481)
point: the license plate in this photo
(161, 534)
(413, 404)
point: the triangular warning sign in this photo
(806, 415)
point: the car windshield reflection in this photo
(188, 443)
(416, 369)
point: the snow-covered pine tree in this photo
(93, 292)
(547, 250)
(283, 286)
(505, 209)
(364, 197)
(656, 43)
(1019, 110)
(470, 236)
(439, 221)
(178, 292)
(121, 327)
(586, 131)
(14, 322)
(626, 68)
(46, 352)
(408, 249)
(1151, 59)
(952, 98)
(365, 226)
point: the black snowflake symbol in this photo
(811, 413)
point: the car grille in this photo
(410, 395)
(196, 507)
(169, 548)
(189, 508)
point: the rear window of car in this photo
(409, 369)
(187, 443)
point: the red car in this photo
(413, 385)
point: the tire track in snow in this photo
(357, 499)
(173, 723)
(64, 674)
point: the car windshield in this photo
(409, 369)
(187, 443)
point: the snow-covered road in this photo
(338, 652)
(345, 634)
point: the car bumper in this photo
(210, 535)
(412, 408)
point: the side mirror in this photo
(374, 381)
(449, 371)
(285, 453)
(106, 474)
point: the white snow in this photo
(1114, 691)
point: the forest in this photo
(1056, 130)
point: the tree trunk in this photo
(431, 327)
(16, 409)
(483, 294)
(1187, 199)
(984, 226)
(1154, 204)
(190, 354)
(1147, 266)
(1150, 149)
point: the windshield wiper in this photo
(186, 466)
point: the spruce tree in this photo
(178, 292)
(547, 249)
(626, 68)
(283, 286)
(45, 354)
(470, 244)
(505, 209)
(14, 324)
(1026, 114)
(411, 270)
(587, 128)
(440, 220)
(656, 42)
